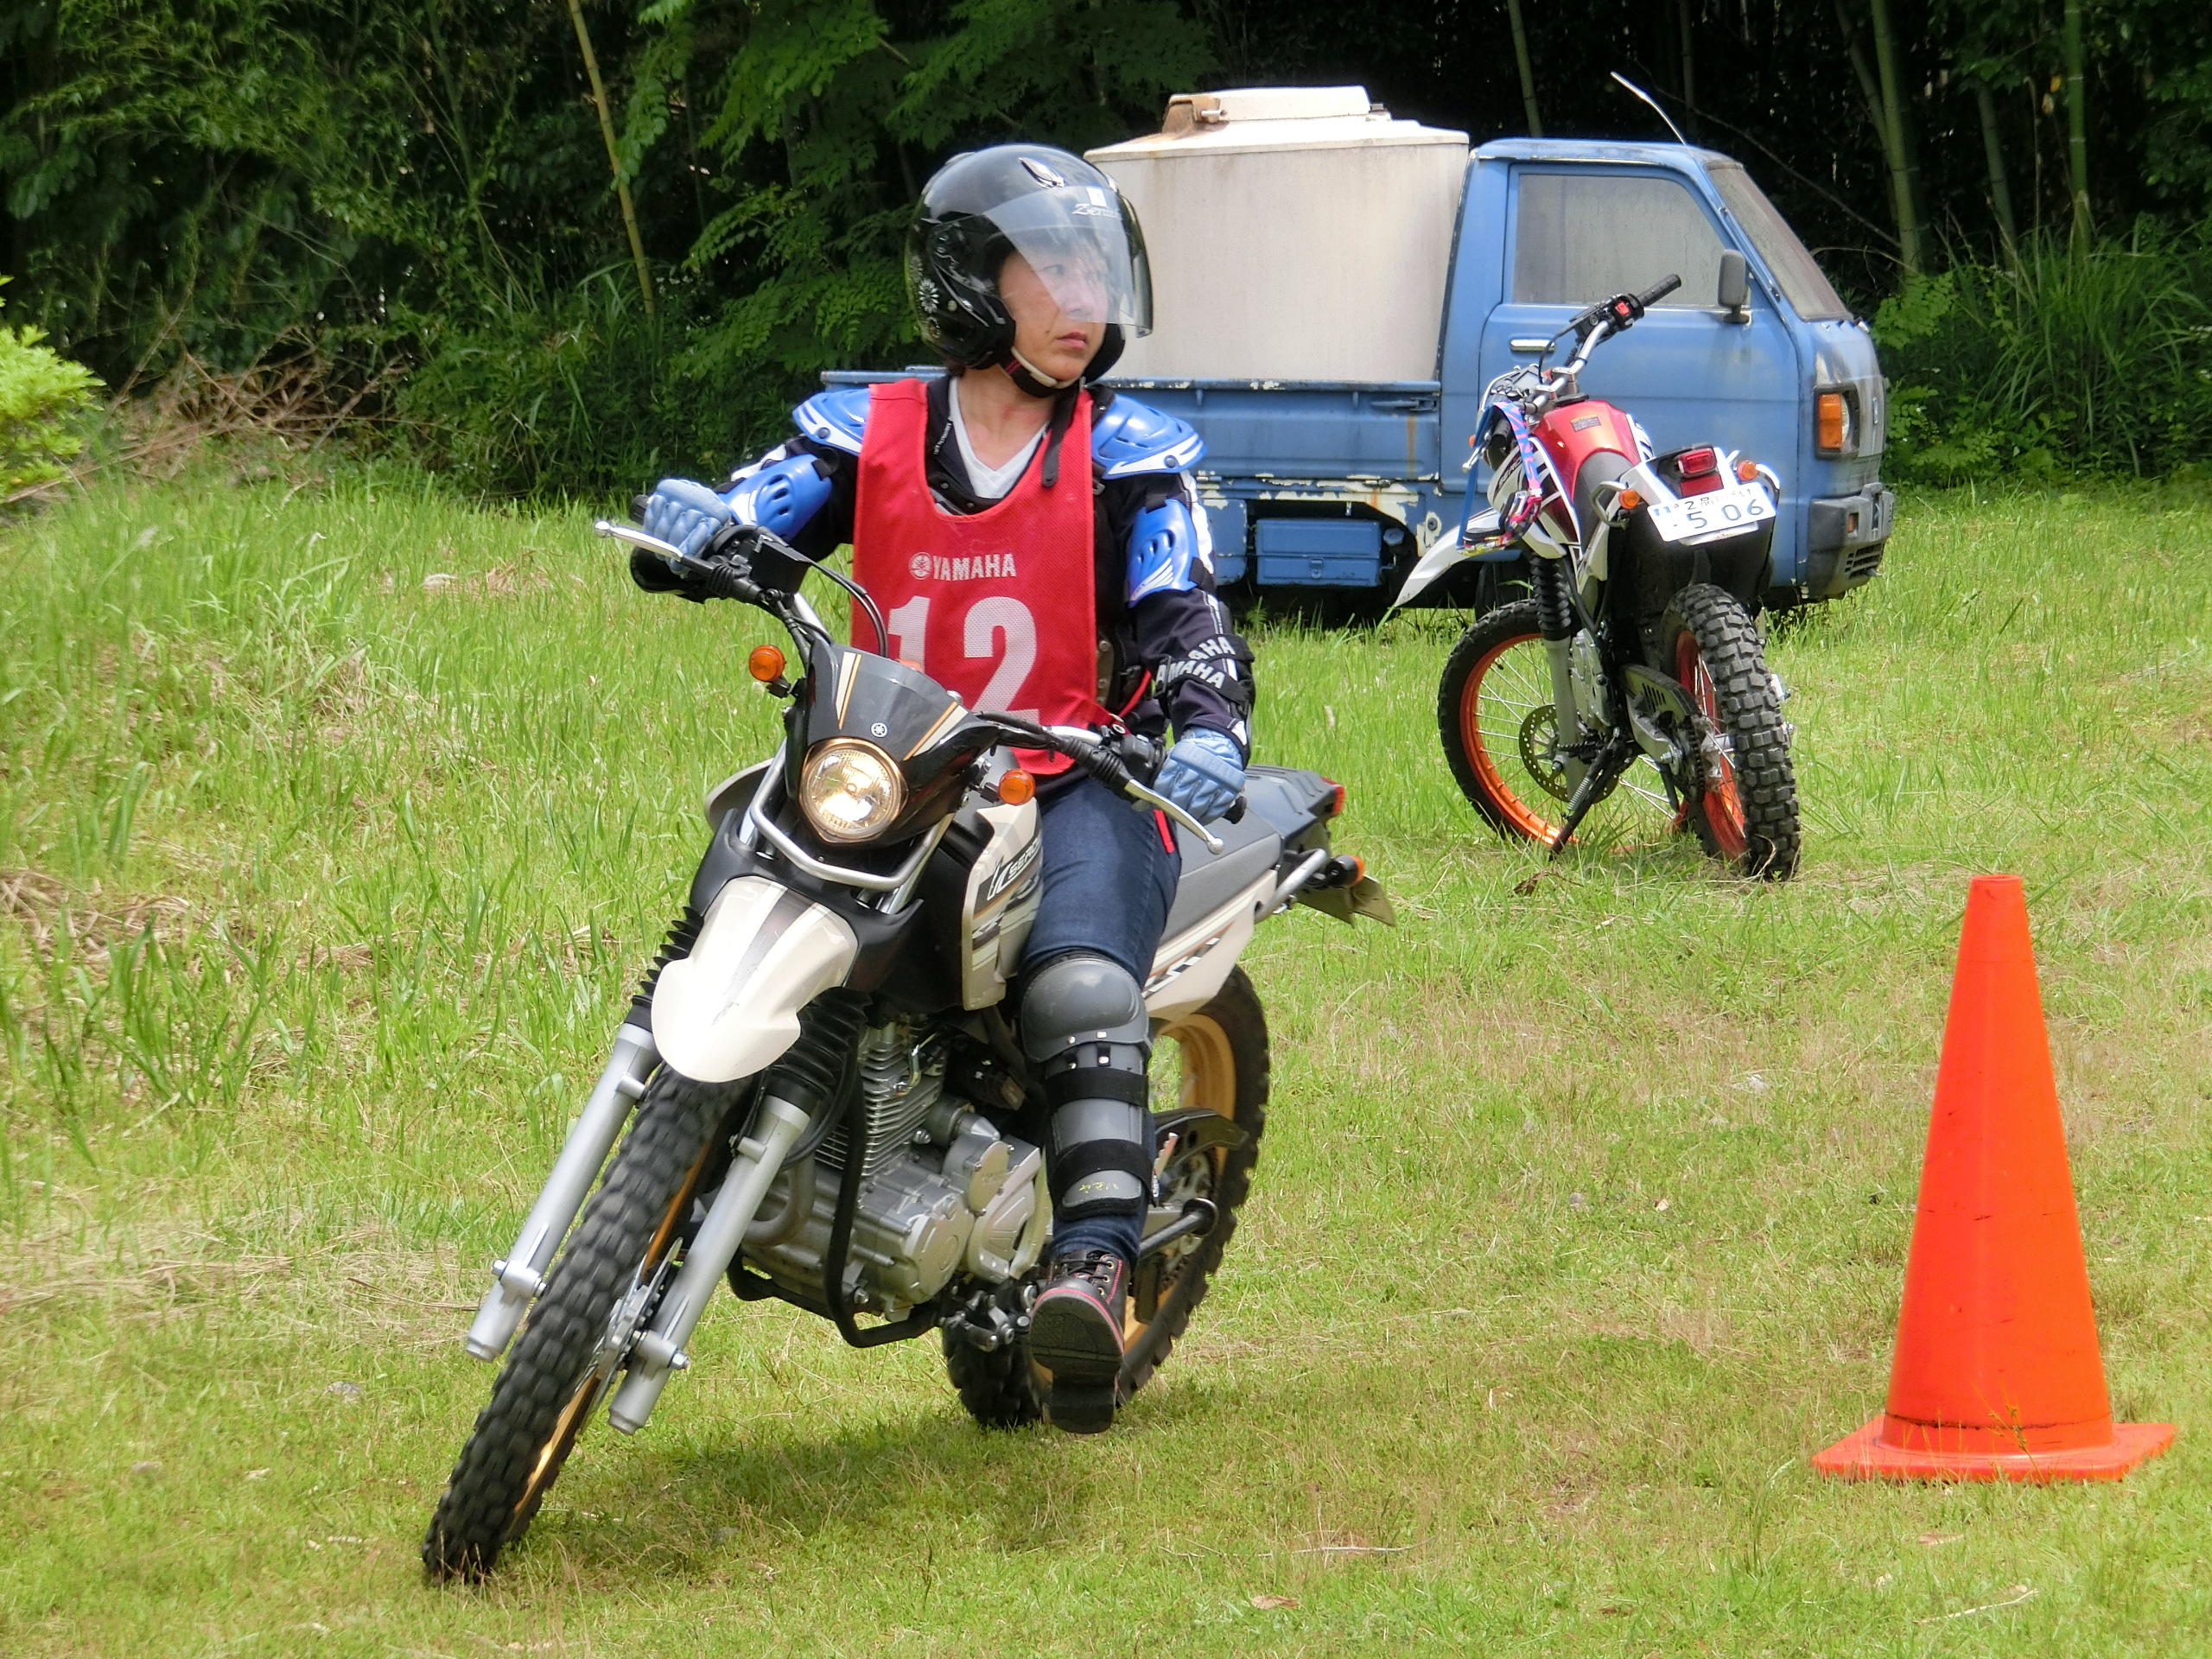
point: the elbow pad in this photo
(1166, 541)
(781, 495)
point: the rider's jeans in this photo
(1110, 876)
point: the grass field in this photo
(335, 822)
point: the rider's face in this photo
(1045, 335)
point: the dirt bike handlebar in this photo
(1125, 762)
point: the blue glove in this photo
(1204, 774)
(685, 514)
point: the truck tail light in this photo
(1700, 471)
(1832, 423)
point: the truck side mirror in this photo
(1735, 286)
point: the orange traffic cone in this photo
(1997, 1374)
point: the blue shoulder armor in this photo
(837, 417)
(1132, 437)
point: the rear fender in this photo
(732, 1006)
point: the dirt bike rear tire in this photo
(549, 1383)
(1223, 1047)
(1748, 816)
(1225, 1066)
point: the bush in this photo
(578, 393)
(2076, 359)
(43, 400)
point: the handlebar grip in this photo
(1658, 291)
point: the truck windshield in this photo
(1809, 291)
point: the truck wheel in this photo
(1746, 810)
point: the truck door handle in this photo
(1528, 345)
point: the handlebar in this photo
(729, 576)
(1115, 760)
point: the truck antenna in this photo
(1656, 110)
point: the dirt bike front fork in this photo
(519, 1276)
(658, 1352)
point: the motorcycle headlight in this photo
(850, 791)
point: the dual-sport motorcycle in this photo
(1628, 695)
(826, 1102)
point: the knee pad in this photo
(1083, 1020)
(1081, 999)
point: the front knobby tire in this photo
(1216, 1059)
(1495, 714)
(556, 1372)
(1745, 809)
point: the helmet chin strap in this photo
(1033, 380)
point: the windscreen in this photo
(1809, 291)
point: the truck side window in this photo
(1579, 236)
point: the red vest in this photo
(998, 606)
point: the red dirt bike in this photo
(1628, 695)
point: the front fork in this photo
(518, 1277)
(1555, 622)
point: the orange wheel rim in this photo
(1721, 802)
(1523, 818)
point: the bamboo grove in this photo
(565, 243)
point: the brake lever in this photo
(1079, 744)
(1137, 792)
(636, 537)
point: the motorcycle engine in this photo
(942, 1191)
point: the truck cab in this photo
(1335, 290)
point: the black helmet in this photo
(1059, 211)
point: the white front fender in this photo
(731, 1006)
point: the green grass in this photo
(1580, 1223)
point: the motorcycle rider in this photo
(1037, 547)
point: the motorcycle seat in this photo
(1281, 804)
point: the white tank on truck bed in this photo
(1296, 233)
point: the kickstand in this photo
(1613, 760)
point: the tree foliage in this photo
(419, 191)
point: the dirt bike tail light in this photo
(850, 791)
(1016, 787)
(1335, 806)
(1700, 471)
(766, 664)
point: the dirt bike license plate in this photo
(1717, 512)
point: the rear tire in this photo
(1221, 1065)
(1222, 1049)
(557, 1373)
(1746, 810)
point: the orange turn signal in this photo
(766, 664)
(1747, 470)
(1630, 500)
(1830, 423)
(1017, 787)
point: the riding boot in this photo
(1083, 1022)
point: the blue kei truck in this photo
(1334, 289)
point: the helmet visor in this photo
(1083, 242)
